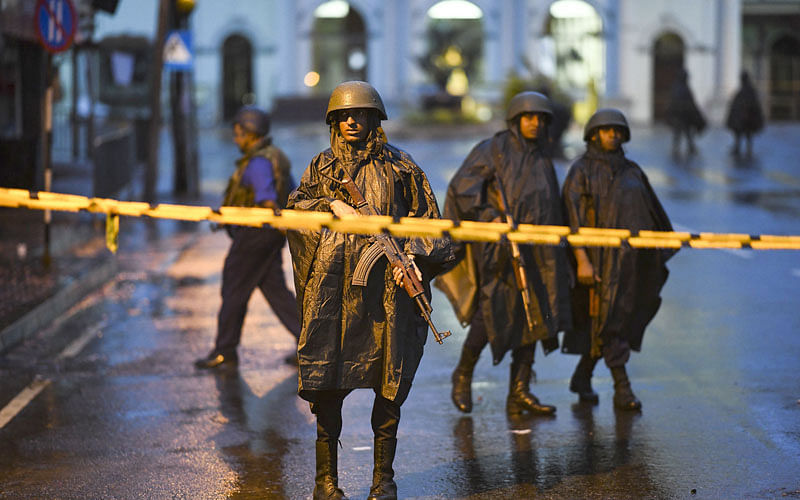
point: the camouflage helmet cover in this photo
(253, 119)
(354, 94)
(529, 102)
(607, 117)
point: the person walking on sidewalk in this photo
(511, 168)
(683, 115)
(367, 334)
(745, 117)
(618, 289)
(262, 179)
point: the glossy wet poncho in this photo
(360, 336)
(608, 190)
(485, 274)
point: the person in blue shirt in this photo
(262, 179)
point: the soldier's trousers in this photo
(254, 260)
(616, 352)
(385, 413)
(478, 337)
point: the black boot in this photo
(462, 380)
(383, 485)
(217, 359)
(326, 482)
(624, 399)
(519, 397)
(581, 382)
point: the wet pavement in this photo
(122, 413)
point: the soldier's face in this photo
(353, 124)
(610, 138)
(243, 139)
(531, 125)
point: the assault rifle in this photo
(386, 245)
(516, 258)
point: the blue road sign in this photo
(178, 50)
(55, 24)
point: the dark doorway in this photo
(668, 53)
(237, 75)
(339, 46)
(784, 70)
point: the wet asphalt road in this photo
(123, 414)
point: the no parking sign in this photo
(55, 24)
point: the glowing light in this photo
(571, 8)
(457, 83)
(335, 9)
(357, 60)
(455, 9)
(311, 79)
(452, 56)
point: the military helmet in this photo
(253, 119)
(607, 117)
(354, 94)
(529, 102)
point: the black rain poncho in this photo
(682, 112)
(485, 275)
(607, 190)
(355, 336)
(744, 114)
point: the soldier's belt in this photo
(401, 227)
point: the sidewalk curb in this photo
(43, 314)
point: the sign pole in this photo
(47, 150)
(55, 24)
(151, 169)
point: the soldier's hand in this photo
(340, 208)
(586, 274)
(398, 274)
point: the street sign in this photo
(55, 24)
(178, 50)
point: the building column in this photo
(611, 30)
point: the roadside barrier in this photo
(402, 227)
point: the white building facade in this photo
(626, 50)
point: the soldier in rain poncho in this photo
(618, 288)
(359, 336)
(482, 288)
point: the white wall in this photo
(280, 32)
(710, 30)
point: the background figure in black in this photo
(482, 288)
(262, 179)
(682, 114)
(618, 288)
(745, 117)
(356, 336)
(562, 116)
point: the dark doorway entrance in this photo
(237, 75)
(784, 69)
(668, 53)
(339, 51)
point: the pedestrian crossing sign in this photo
(178, 50)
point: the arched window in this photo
(668, 54)
(784, 71)
(237, 75)
(453, 58)
(339, 47)
(576, 36)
